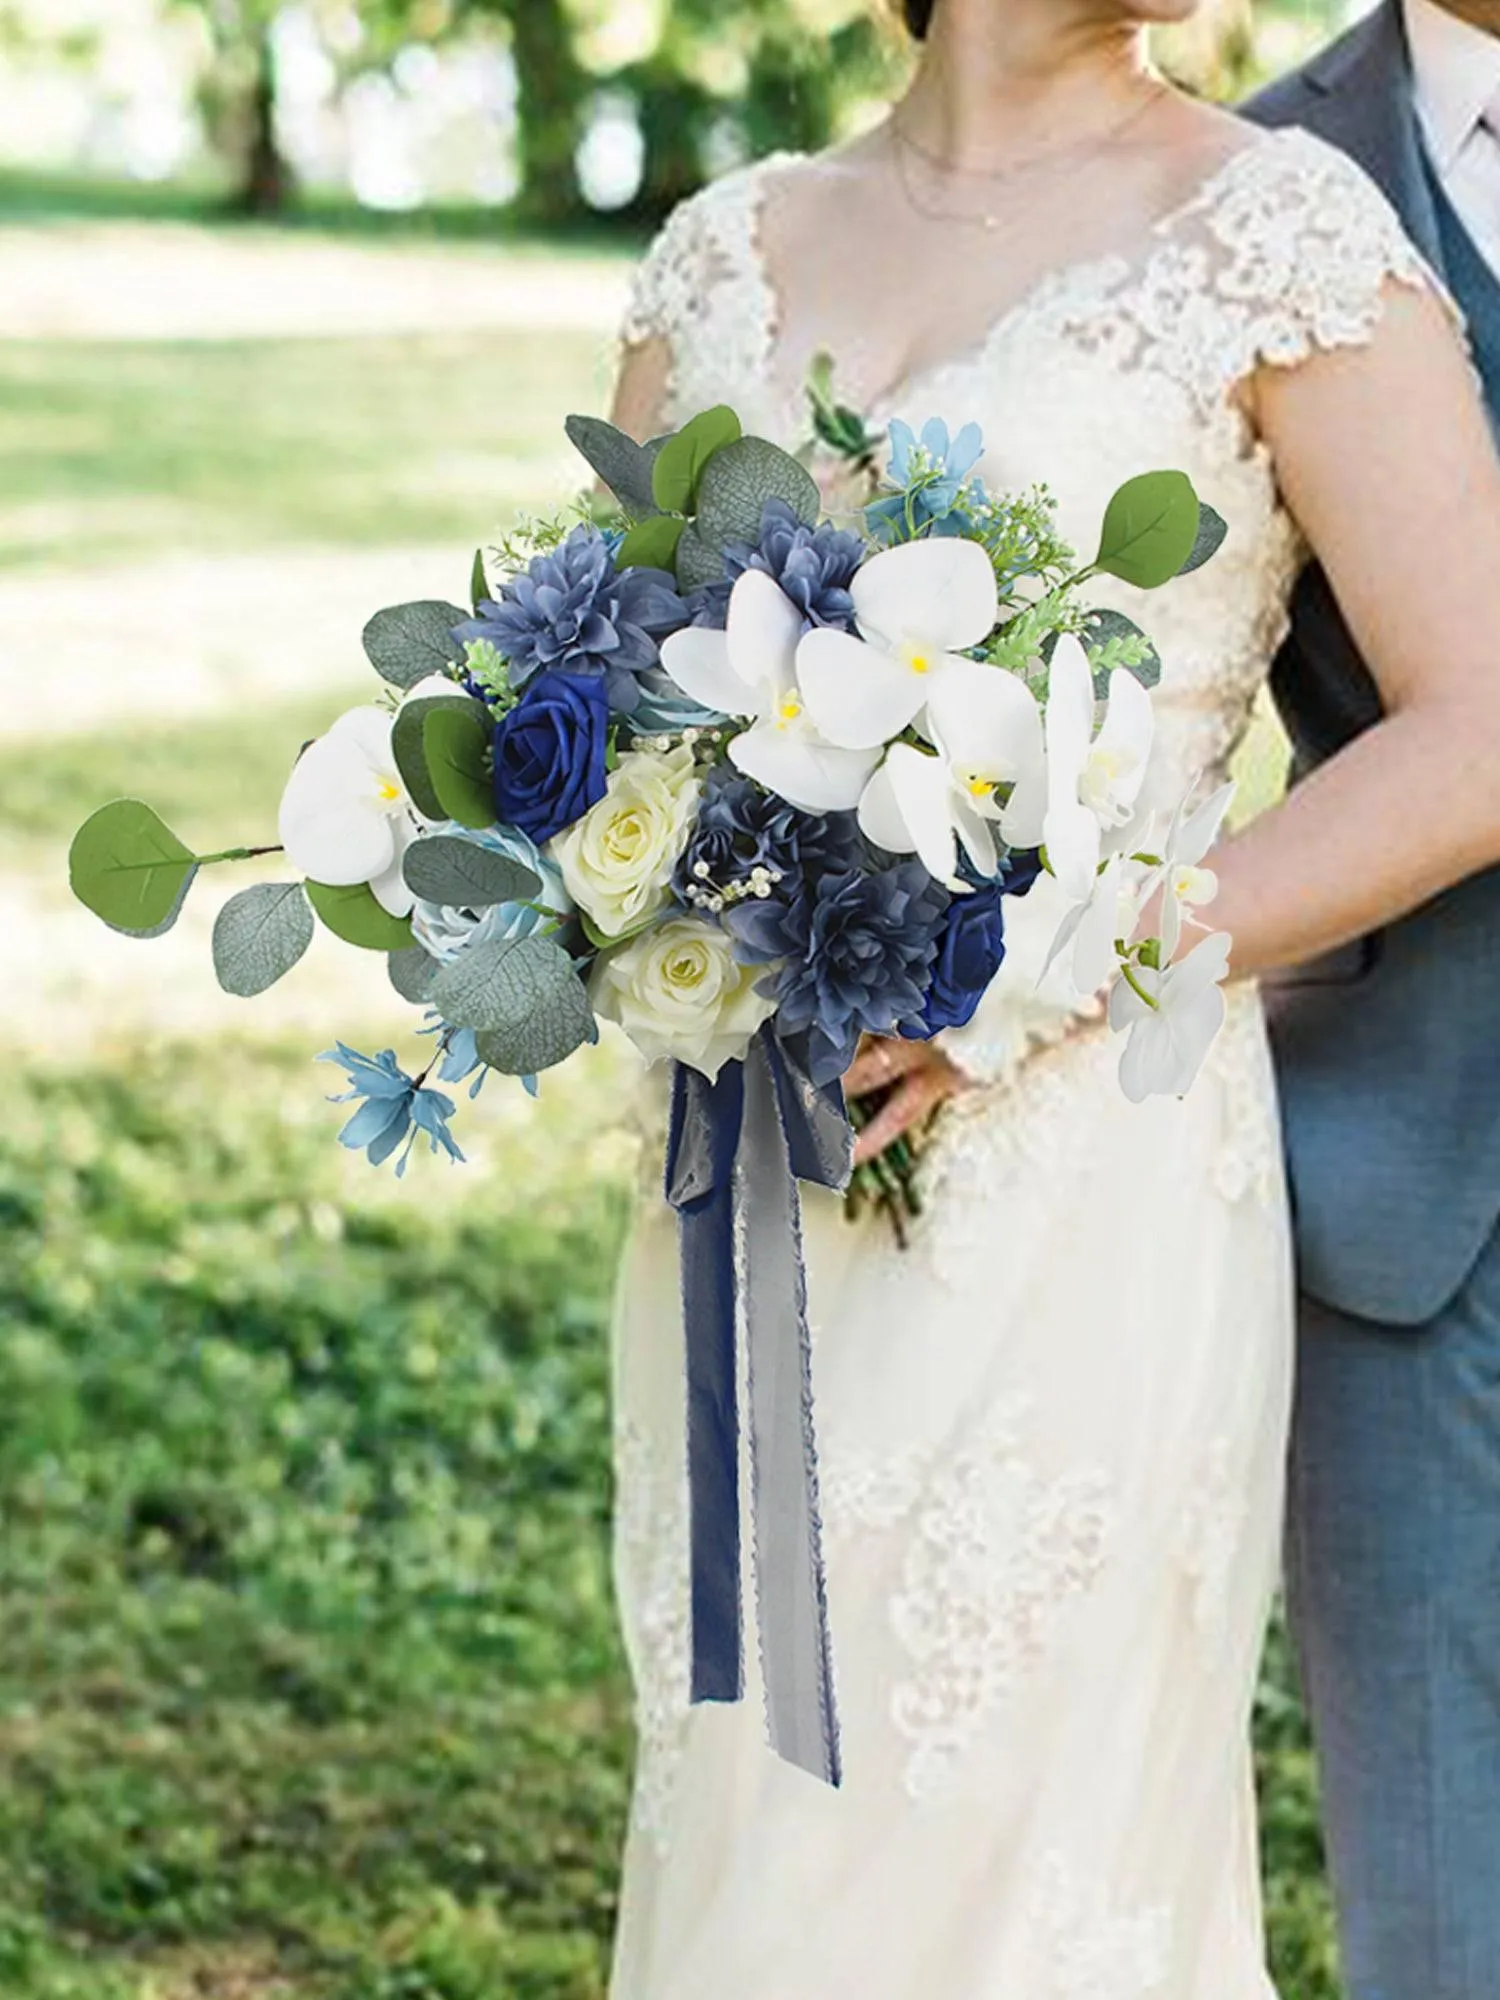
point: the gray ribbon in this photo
(738, 1148)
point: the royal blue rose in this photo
(550, 754)
(971, 949)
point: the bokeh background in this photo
(309, 1678)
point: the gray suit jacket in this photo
(1389, 1054)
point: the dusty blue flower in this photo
(395, 1107)
(932, 474)
(814, 566)
(742, 827)
(572, 609)
(857, 954)
(444, 930)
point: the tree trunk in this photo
(552, 88)
(267, 183)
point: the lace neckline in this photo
(1071, 276)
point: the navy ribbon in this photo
(737, 1148)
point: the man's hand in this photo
(924, 1079)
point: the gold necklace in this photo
(904, 148)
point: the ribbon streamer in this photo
(737, 1149)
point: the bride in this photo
(1053, 1428)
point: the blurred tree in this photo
(238, 98)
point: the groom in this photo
(1390, 1074)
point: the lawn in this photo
(310, 1684)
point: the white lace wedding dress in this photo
(1052, 1430)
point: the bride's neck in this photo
(996, 80)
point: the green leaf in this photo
(455, 742)
(1110, 633)
(1150, 527)
(479, 583)
(465, 876)
(739, 480)
(354, 915)
(524, 999)
(408, 746)
(410, 641)
(1212, 529)
(129, 868)
(412, 972)
(651, 544)
(259, 935)
(696, 562)
(625, 466)
(679, 466)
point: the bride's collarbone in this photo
(895, 294)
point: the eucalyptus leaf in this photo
(1103, 626)
(455, 743)
(128, 867)
(625, 466)
(1212, 529)
(259, 935)
(463, 875)
(1150, 527)
(697, 562)
(353, 914)
(652, 543)
(739, 480)
(524, 999)
(408, 746)
(412, 972)
(409, 641)
(679, 465)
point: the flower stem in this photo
(237, 854)
(1136, 987)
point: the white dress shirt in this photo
(1457, 73)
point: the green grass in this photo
(121, 449)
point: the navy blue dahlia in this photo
(814, 566)
(741, 827)
(573, 610)
(859, 951)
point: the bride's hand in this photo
(924, 1079)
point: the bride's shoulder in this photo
(707, 242)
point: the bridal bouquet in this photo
(751, 784)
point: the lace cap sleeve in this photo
(707, 243)
(1304, 245)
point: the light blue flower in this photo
(462, 1059)
(395, 1107)
(932, 473)
(444, 930)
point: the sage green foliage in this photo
(407, 642)
(129, 868)
(352, 913)
(1150, 530)
(456, 750)
(259, 935)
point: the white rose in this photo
(678, 991)
(617, 861)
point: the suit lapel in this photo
(1368, 109)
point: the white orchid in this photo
(1186, 883)
(749, 670)
(345, 814)
(918, 607)
(1094, 783)
(986, 729)
(1172, 1018)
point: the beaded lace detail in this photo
(1095, 1952)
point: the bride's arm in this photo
(1385, 459)
(641, 388)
